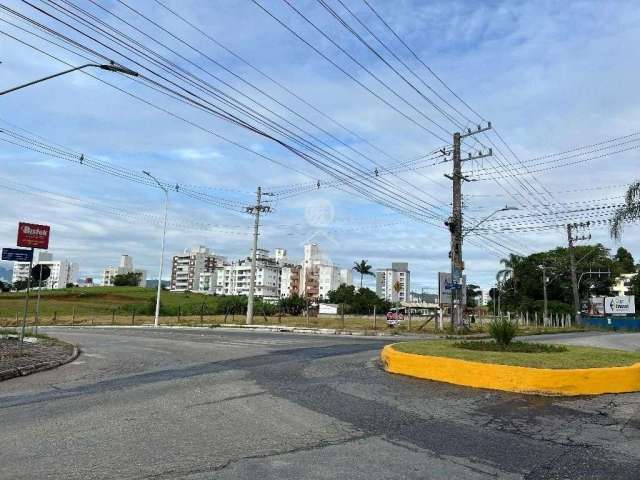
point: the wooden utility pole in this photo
(255, 210)
(455, 222)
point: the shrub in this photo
(502, 331)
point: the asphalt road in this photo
(175, 404)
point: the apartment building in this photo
(318, 275)
(290, 280)
(234, 278)
(386, 279)
(126, 266)
(62, 271)
(186, 269)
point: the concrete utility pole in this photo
(255, 210)
(156, 321)
(544, 291)
(455, 222)
(572, 260)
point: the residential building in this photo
(126, 266)
(622, 284)
(318, 275)
(186, 268)
(485, 298)
(290, 280)
(62, 271)
(386, 279)
(280, 255)
(234, 278)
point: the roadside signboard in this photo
(621, 305)
(33, 235)
(17, 254)
(445, 286)
(596, 306)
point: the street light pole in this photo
(164, 233)
(110, 67)
(503, 209)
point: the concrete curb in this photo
(537, 381)
(39, 367)
(262, 328)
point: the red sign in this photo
(33, 235)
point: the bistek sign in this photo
(33, 235)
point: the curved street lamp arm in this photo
(110, 67)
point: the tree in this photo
(624, 261)
(131, 279)
(508, 272)
(629, 212)
(4, 286)
(473, 292)
(361, 301)
(363, 268)
(20, 285)
(292, 305)
(635, 290)
(343, 294)
(397, 286)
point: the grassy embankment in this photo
(574, 357)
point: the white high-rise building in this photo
(186, 268)
(386, 279)
(126, 266)
(318, 275)
(63, 272)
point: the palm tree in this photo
(363, 268)
(397, 286)
(629, 212)
(507, 273)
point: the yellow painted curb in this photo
(545, 381)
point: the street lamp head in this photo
(508, 208)
(112, 67)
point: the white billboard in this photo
(621, 305)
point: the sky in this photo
(550, 76)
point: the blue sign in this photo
(17, 254)
(452, 286)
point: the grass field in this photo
(574, 357)
(136, 306)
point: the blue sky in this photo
(549, 75)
